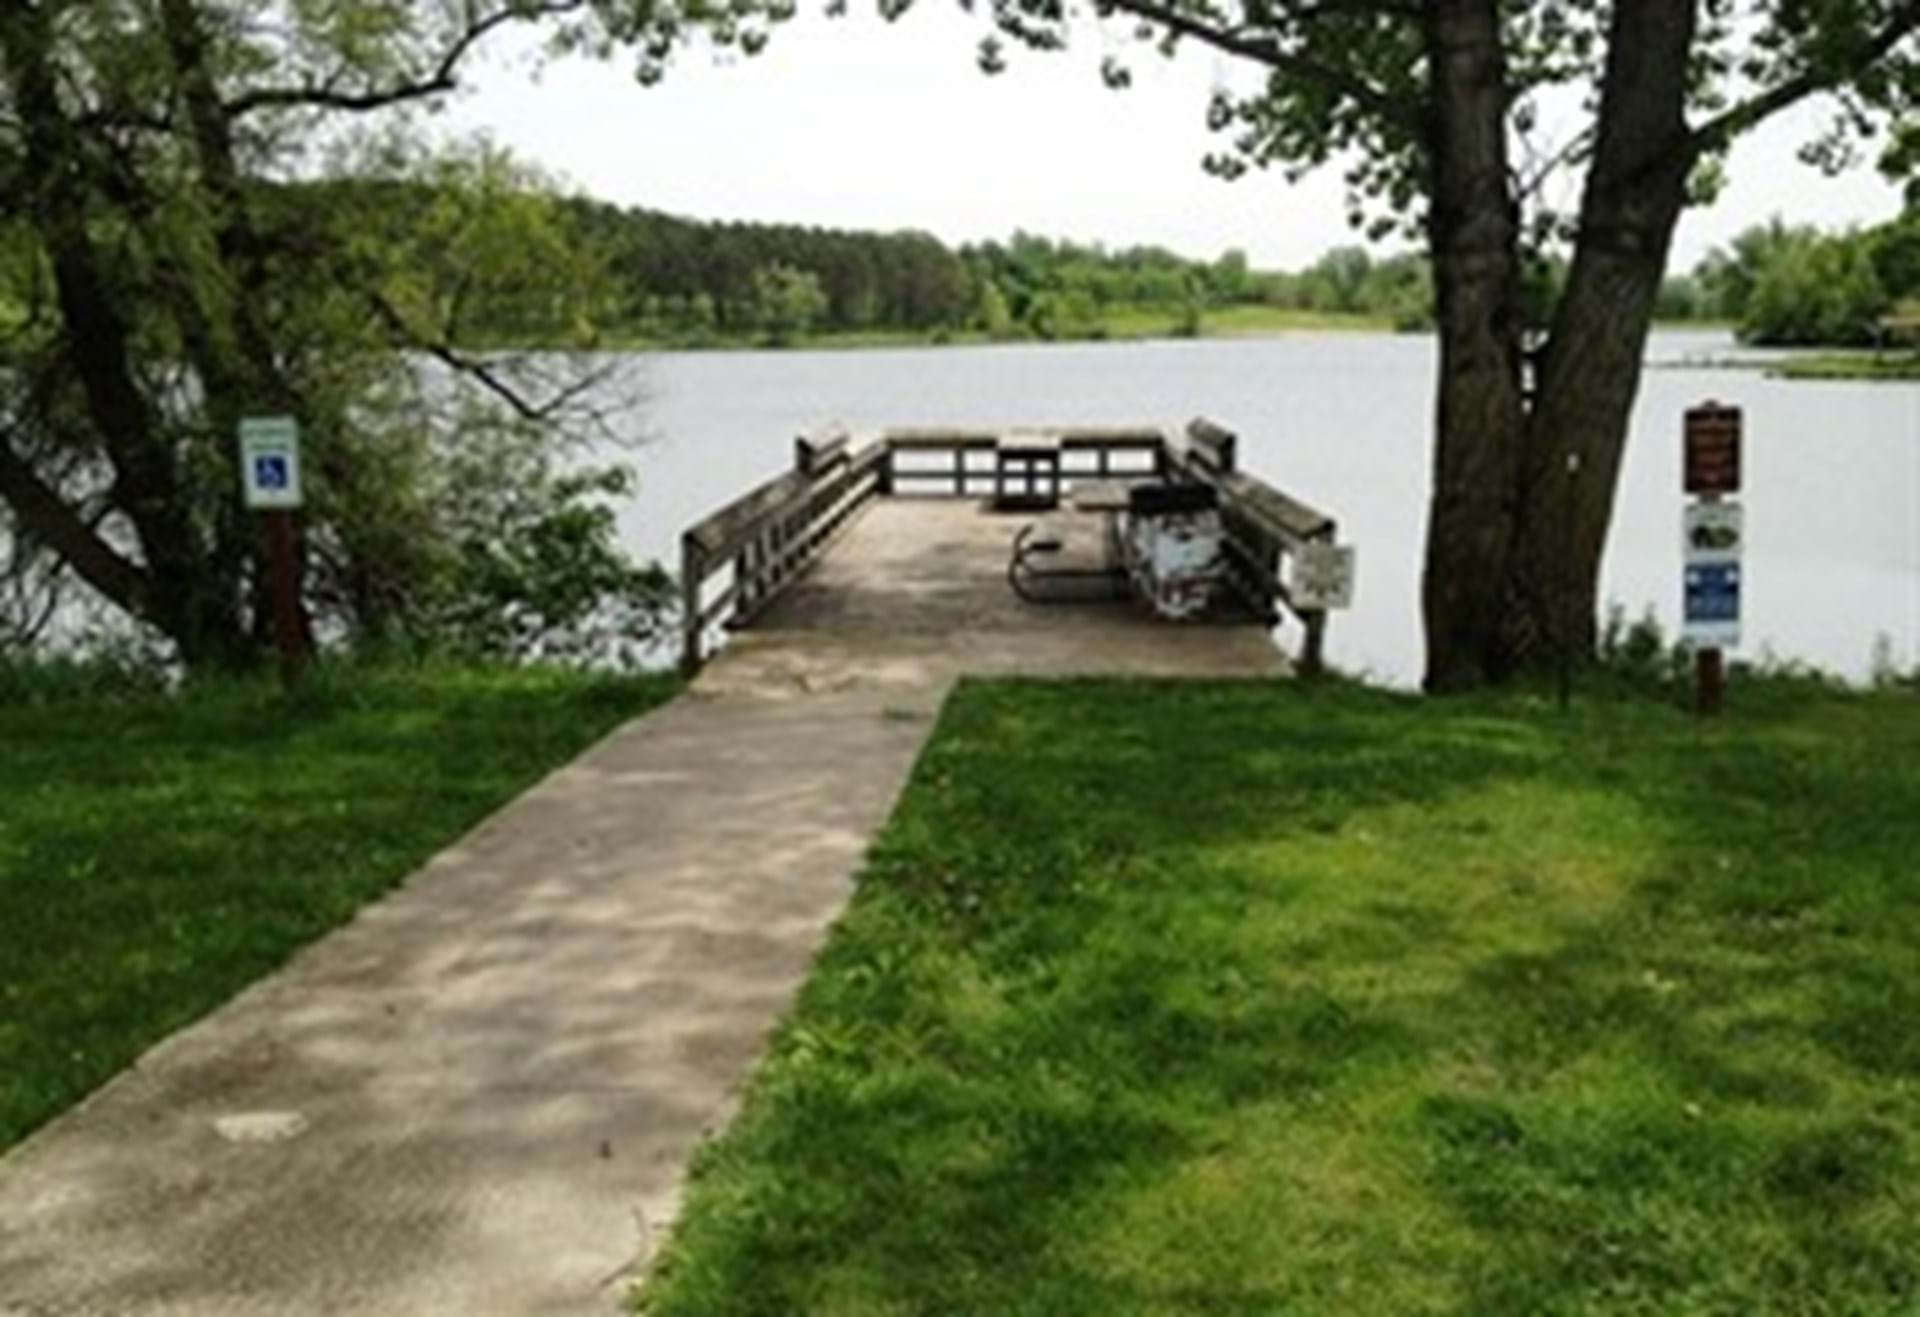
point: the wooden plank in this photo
(1293, 520)
(911, 439)
(724, 531)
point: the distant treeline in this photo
(669, 278)
(666, 277)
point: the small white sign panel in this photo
(1711, 533)
(1322, 576)
(270, 462)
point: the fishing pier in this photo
(905, 540)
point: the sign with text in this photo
(1712, 618)
(1322, 576)
(1711, 532)
(1712, 449)
(270, 462)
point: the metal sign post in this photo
(1712, 532)
(270, 478)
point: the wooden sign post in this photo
(270, 477)
(1711, 539)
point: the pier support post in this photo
(693, 573)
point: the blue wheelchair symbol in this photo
(270, 471)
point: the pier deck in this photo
(884, 561)
(916, 592)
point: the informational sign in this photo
(270, 462)
(1712, 618)
(1712, 449)
(1322, 576)
(1711, 532)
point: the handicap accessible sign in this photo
(270, 462)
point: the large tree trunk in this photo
(1590, 371)
(1481, 413)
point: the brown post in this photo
(1709, 681)
(285, 573)
(693, 567)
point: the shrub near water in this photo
(1236, 999)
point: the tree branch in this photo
(46, 515)
(440, 80)
(1720, 129)
(475, 369)
(1267, 50)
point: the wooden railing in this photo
(771, 534)
(738, 560)
(946, 463)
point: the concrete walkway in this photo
(479, 1097)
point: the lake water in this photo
(1831, 481)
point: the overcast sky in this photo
(861, 124)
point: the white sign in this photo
(1711, 533)
(270, 462)
(1322, 576)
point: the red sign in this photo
(1713, 449)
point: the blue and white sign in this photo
(270, 462)
(1712, 605)
(1712, 536)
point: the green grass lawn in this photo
(157, 854)
(1235, 999)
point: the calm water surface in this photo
(1343, 420)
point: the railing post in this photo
(693, 571)
(1312, 662)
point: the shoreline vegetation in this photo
(1125, 326)
(1120, 325)
(1888, 366)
